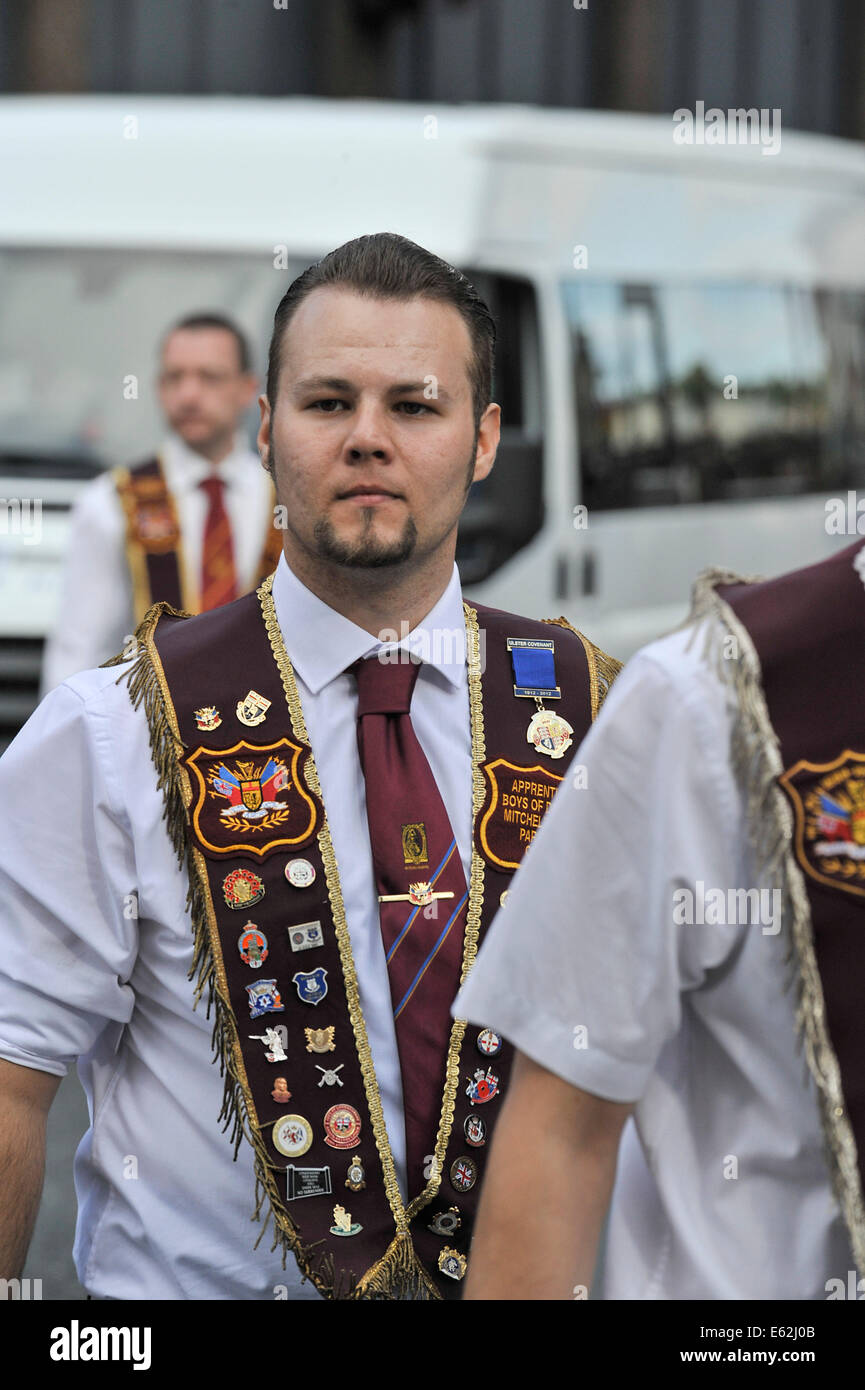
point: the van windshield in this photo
(79, 337)
(693, 393)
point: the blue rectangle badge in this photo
(534, 664)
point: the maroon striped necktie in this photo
(218, 578)
(412, 842)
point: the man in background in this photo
(192, 525)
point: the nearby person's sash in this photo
(154, 545)
(244, 811)
(796, 656)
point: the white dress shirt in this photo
(722, 1190)
(96, 609)
(96, 942)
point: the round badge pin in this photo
(341, 1127)
(464, 1173)
(489, 1043)
(300, 873)
(292, 1135)
(475, 1130)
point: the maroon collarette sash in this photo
(808, 632)
(154, 545)
(244, 812)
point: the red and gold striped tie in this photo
(218, 578)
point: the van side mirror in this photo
(505, 511)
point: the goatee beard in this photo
(368, 552)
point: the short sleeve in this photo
(68, 929)
(585, 967)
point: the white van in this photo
(682, 327)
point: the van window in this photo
(79, 335)
(716, 392)
(504, 512)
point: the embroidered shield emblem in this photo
(251, 800)
(828, 801)
(516, 799)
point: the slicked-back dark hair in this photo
(387, 266)
(209, 320)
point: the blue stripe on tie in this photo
(439, 871)
(429, 960)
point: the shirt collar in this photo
(186, 469)
(322, 643)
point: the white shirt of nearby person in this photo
(722, 1190)
(96, 942)
(96, 610)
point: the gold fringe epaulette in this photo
(756, 759)
(603, 669)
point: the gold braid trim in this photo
(757, 765)
(603, 669)
(334, 889)
(148, 686)
(473, 915)
(399, 1273)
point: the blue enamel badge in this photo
(311, 984)
(264, 998)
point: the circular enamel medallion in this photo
(464, 1173)
(292, 1135)
(475, 1130)
(341, 1127)
(300, 873)
(489, 1043)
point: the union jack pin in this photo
(464, 1173)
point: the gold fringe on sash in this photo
(148, 687)
(398, 1274)
(603, 669)
(757, 766)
